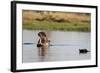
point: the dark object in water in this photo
(83, 51)
(27, 43)
(39, 45)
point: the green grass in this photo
(62, 26)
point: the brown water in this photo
(65, 47)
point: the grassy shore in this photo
(49, 20)
(63, 26)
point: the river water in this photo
(65, 46)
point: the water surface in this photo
(65, 47)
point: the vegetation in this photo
(40, 20)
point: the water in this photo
(65, 47)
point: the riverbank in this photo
(53, 20)
(63, 26)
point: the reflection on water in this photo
(42, 51)
(64, 46)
